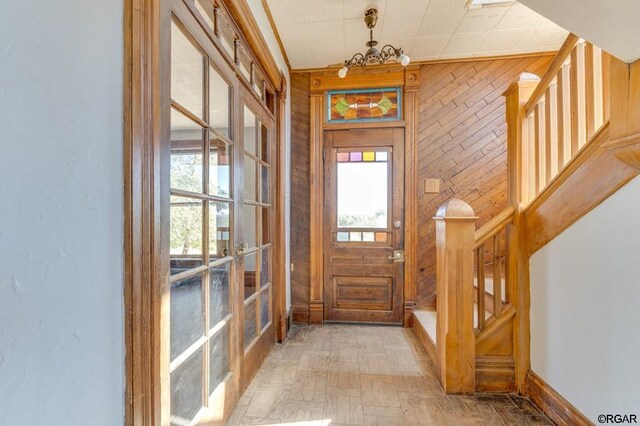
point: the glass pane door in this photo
(256, 215)
(201, 229)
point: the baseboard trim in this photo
(495, 374)
(552, 404)
(300, 314)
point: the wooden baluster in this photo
(481, 287)
(564, 116)
(531, 167)
(497, 277)
(551, 132)
(539, 141)
(606, 76)
(598, 107)
(578, 113)
(589, 89)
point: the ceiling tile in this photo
(441, 22)
(402, 20)
(286, 12)
(428, 47)
(447, 4)
(465, 43)
(482, 19)
(320, 11)
(355, 8)
(318, 33)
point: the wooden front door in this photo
(364, 219)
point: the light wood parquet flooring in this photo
(364, 375)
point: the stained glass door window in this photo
(364, 105)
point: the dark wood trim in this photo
(300, 314)
(242, 15)
(426, 341)
(588, 179)
(552, 404)
(412, 120)
(145, 273)
(334, 69)
(495, 374)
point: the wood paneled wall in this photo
(300, 196)
(462, 140)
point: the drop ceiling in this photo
(320, 33)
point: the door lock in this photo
(397, 224)
(398, 256)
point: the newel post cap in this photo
(455, 209)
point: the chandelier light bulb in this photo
(404, 60)
(343, 72)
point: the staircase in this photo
(478, 335)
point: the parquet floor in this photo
(359, 375)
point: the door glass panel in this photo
(219, 230)
(219, 168)
(218, 294)
(185, 228)
(265, 312)
(250, 179)
(264, 144)
(250, 226)
(187, 72)
(362, 194)
(219, 358)
(186, 390)
(219, 95)
(265, 267)
(265, 185)
(250, 132)
(250, 331)
(187, 147)
(266, 222)
(186, 314)
(249, 275)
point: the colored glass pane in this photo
(343, 157)
(381, 156)
(355, 156)
(381, 237)
(368, 156)
(367, 236)
(355, 236)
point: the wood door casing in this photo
(362, 282)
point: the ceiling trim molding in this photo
(242, 15)
(438, 61)
(265, 5)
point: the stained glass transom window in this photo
(364, 105)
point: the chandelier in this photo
(373, 55)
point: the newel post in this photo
(520, 189)
(455, 336)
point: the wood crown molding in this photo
(242, 15)
(552, 404)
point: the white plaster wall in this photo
(585, 308)
(609, 24)
(61, 243)
(265, 27)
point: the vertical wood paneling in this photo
(462, 141)
(300, 195)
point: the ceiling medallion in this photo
(373, 55)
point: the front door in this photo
(363, 219)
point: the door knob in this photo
(242, 249)
(398, 256)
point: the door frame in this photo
(145, 97)
(408, 79)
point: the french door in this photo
(219, 309)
